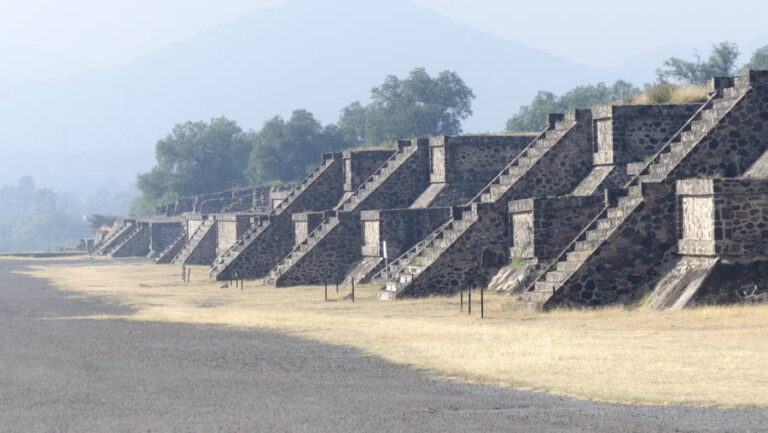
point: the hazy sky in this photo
(41, 39)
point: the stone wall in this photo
(400, 228)
(624, 136)
(629, 133)
(360, 164)
(483, 249)
(542, 227)
(471, 260)
(331, 258)
(163, 234)
(723, 217)
(136, 244)
(229, 228)
(205, 248)
(404, 185)
(461, 166)
(633, 259)
(304, 223)
(276, 239)
(619, 270)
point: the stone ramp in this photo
(679, 286)
(365, 270)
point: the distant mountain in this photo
(99, 128)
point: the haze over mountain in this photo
(100, 127)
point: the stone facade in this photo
(145, 237)
(304, 223)
(263, 246)
(624, 136)
(461, 166)
(256, 199)
(473, 249)
(396, 183)
(619, 257)
(722, 246)
(230, 227)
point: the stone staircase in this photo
(328, 224)
(353, 201)
(110, 241)
(611, 221)
(402, 271)
(589, 240)
(262, 223)
(560, 124)
(171, 251)
(129, 235)
(194, 241)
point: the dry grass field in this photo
(705, 356)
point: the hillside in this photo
(100, 127)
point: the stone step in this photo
(516, 171)
(688, 136)
(556, 276)
(536, 151)
(486, 198)
(508, 179)
(534, 298)
(586, 245)
(596, 234)
(617, 212)
(607, 223)
(567, 267)
(578, 256)
(544, 288)
(499, 189)
(634, 168)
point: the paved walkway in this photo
(113, 375)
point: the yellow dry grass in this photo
(677, 95)
(705, 356)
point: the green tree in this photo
(533, 117)
(720, 63)
(195, 158)
(758, 61)
(284, 151)
(96, 221)
(418, 105)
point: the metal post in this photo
(325, 283)
(469, 301)
(482, 304)
(337, 289)
(184, 273)
(242, 283)
(353, 290)
(189, 274)
(461, 297)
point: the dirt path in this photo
(114, 375)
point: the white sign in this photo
(384, 248)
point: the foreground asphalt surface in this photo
(75, 375)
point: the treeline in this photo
(36, 219)
(674, 81)
(203, 157)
